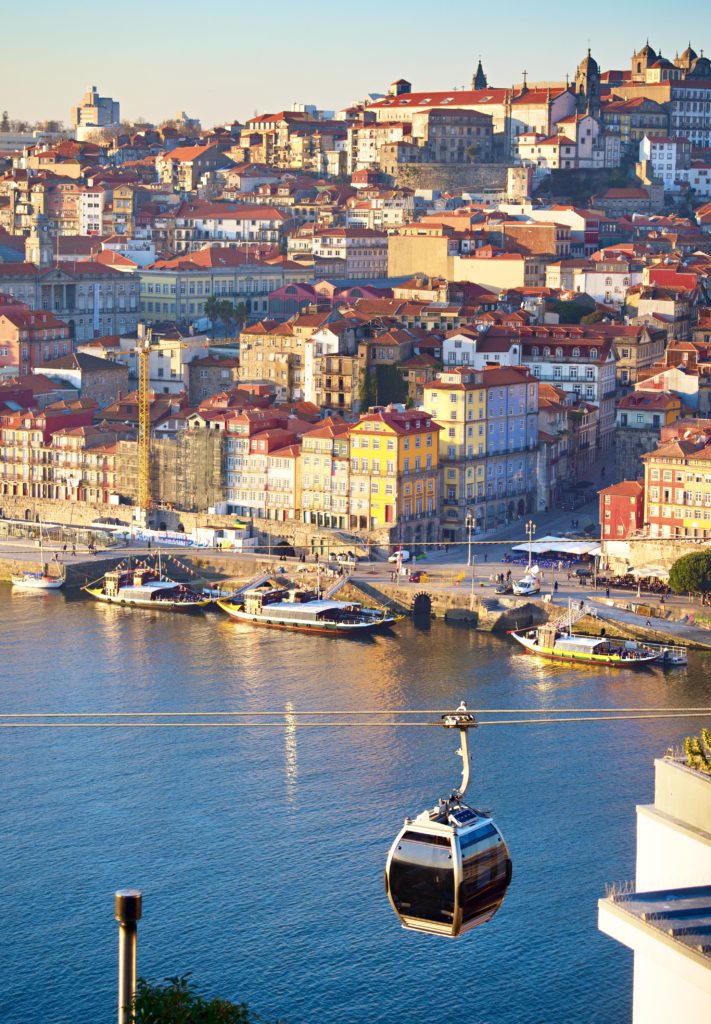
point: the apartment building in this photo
(677, 489)
(395, 474)
(325, 475)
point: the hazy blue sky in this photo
(220, 59)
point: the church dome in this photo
(701, 68)
(588, 65)
(648, 52)
(688, 55)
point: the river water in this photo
(260, 852)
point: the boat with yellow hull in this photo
(550, 642)
(146, 588)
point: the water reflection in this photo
(194, 815)
(290, 753)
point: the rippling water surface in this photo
(260, 852)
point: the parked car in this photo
(504, 588)
(415, 577)
(584, 571)
(401, 555)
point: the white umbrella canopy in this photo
(658, 572)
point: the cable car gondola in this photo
(449, 868)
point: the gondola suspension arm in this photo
(463, 720)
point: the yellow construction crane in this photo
(143, 350)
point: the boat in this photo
(39, 579)
(305, 610)
(667, 654)
(146, 587)
(549, 641)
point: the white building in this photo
(93, 113)
(480, 348)
(670, 158)
(607, 281)
(365, 252)
(665, 920)
(92, 200)
(585, 366)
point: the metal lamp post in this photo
(470, 526)
(530, 530)
(469, 523)
(127, 909)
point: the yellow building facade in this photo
(395, 475)
(456, 401)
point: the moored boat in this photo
(550, 641)
(41, 580)
(304, 610)
(145, 587)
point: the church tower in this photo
(38, 244)
(479, 80)
(587, 86)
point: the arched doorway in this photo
(422, 605)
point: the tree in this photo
(691, 574)
(391, 384)
(368, 390)
(592, 318)
(698, 751)
(240, 314)
(176, 1002)
(570, 312)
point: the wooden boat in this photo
(146, 588)
(551, 642)
(304, 610)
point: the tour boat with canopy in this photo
(145, 587)
(557, 640)
(305, 610)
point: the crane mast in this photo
(144, 421)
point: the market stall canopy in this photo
(561, 546)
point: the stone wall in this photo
(653, 551)
(630, 445)
(453, 177)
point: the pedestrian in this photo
(648, 623)
(607, 592)
(74, 550)
(64, 549)
(149, 543)
(661, 600)
(486, 556)
(581, 605)
(555, 587)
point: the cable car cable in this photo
(339, 712)
(331, 725)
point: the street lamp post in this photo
(530, 530)
(469, 521)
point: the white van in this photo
(528, 584)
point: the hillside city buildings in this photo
(428, 313)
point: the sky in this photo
(224, 59)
